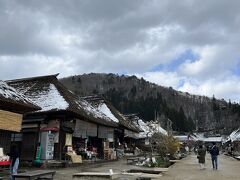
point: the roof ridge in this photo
(31, 78)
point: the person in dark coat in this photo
(214, 151)
(14, 157)
(201, 156)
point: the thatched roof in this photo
(107, 108)
(235, 135)
(12, 100)
(147, 128)
(52, 96)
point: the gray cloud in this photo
(119, 36)
(117, 25)
(22, 32)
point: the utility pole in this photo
(157, 120)
(169, 126)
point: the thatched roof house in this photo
(53, 97)
(62, 112)
(234, 136)
(12, 105)
(147, 128)
(109, 110)
(14, 101)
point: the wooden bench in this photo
(237, 157)
(39, 174)
(132, 159)
(173, 160)
(148, 170)
(94, 175)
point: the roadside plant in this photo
(164, 145)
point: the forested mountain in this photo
(132, 95)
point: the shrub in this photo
(164, 145)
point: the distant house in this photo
(12, 105)
(235, 135)
(209, 141)
(213, 140)
(147, 128)
(64, 122)
(127, 132)
(234, 139)
(134, 119)
(182, 138)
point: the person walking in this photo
(201, 156)
(14, 156)
(214, 151)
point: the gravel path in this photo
(185, 169)
(188, 169)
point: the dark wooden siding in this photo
(29, 146)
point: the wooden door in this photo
(29, 146)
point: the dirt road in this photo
(188, 169)
(185, 169)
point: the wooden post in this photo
(60, 141)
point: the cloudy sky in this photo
(190, 45)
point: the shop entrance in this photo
(94, 142)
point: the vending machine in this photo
(47, 142)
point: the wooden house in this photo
(12, 107)
(63, 118)
(126, 127)
(142, 139)
(209, 141)
(234, 140)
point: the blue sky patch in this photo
(175, 63)
(236, 70)
(181, 83)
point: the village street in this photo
(188, 169)
(185, 169)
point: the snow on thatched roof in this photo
(105, 110)
(10, 97)
(110, 111)
(201, 137)
(198, 136)
(144, 127)
(147, 128)
(48, 93)
(155, 126)
(50, 98)
(182, 138)
(42, 91)
(235, 135)
(91, 110)
(213, 139)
